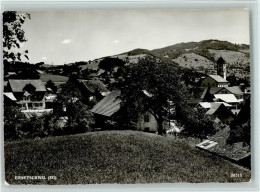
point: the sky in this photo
(62, 37)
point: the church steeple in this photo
(221, 68)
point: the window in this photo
(146, 118)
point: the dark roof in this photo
(194, 101)
(108, 105)
(214, 108)
(18, 85)
(93, 85)
(218, 78)
(204, 93)
(214, 90)
(218, 144)
(235, 90)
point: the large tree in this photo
(13, 35)
(155, 86)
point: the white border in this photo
(252, 5)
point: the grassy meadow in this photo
(115, 157)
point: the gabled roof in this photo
(214, 90)
(228, 98)
(18, 85)
(234, 90)
(208, 105)
(217, 144)
(218, 78)
(10, 95)
(204, 93)
(108, 105)
(93, 85)
(214, 108)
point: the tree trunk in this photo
(160, 126)
(160, 129)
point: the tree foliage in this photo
(109, 63)
(50, 84)
(154, 86)
(13, 35)
(196, 123)
(13, 122)
(240, 128)
(76, 115)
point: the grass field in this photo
(54, 78)
(115, 157)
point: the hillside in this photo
(115, 157)
(200, 56)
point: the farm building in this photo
(29, 93)
(208, 94)
(214, 81)
(90, 87)
(219, 110)
(217, 144)
(105, 110)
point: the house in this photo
(235, 90)
(217, 144)
(105, 110)
(237, 151)
(214, 81)
(93, 89)
(29, 93)
(208, 105)
(218, 109)
(105, 113)
(147, 123)
(227, 98)
(49, 100)
(221, 112)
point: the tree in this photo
(196, 123)
(240, 128)
(50, 84)
(154, 86)
(109, 63)
(13, 35)
(13, 122)
(69, 105)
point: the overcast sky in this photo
(69, 36)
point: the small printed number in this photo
(236, 175)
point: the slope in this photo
(115, 157)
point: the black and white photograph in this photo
(141, 96)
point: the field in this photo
(115, 157)
(54, 78)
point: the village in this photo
(94, 112)
(226, 104)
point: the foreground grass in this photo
(114, 157)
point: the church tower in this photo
(221, 68)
